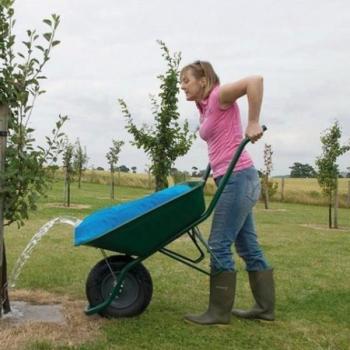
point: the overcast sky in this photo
(108, 51)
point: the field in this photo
(311, 264)
(304, 191)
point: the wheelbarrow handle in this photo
(228, 173)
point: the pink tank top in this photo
(222, 130)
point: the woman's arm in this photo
(253, 87)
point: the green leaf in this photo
(40, 48)
(48, 22)
(27, 44)
(56, 42)
(47, 36)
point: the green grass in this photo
(312, 269)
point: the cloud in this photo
(109, 51)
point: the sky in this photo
(109, 50)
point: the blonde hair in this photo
(202, 69)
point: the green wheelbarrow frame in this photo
(192, 202)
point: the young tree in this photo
(327, 166)
(80, 160)
(113, 158)
(23, 177)
(165, 141)
(134, 168)
(68, 171)
(149, 175)
(266, 173)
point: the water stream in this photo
(23, 258)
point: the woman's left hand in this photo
(254, 132)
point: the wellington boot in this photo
(221, 298)
(263, 289)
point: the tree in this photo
(80, 160)
(134, 168)
(268, 187)
(166, 140)
(113, 158)
(194, 171)
(328, 169)
(123, 169)
(24, 177)
(201, 173)
(299, 170)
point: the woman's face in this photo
(191, 86)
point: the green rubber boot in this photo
(263, 289)
(221, 298)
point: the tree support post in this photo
(4, 300)
(336, 205)
(282, 189)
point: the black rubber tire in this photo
(137, 287)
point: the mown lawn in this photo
(312, 269)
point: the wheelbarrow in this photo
(120, 285)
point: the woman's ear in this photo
(203, 82)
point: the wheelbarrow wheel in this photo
(136, 290)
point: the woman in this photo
(220, 127)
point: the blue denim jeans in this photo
(233, 222)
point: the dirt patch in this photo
(77, 328)
(326, 228)
(72, 206)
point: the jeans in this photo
(233, 222)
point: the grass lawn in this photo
(312, 270)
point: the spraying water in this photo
(34, 241)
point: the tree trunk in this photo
(79, 179)
(149, 179)
(66, 187)
(266, 191)
(161, 183)
(159, 165)
(336, 205)
(4, 300)
(348, 199)
(68, 192)
(112, 184)
(330, 211)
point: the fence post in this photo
(282, 189)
